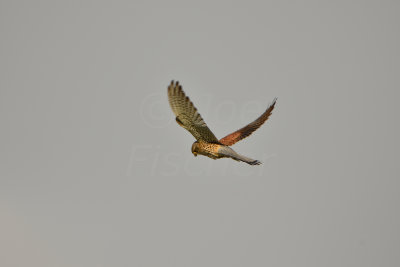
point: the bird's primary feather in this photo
(187, 115)
(244, 132)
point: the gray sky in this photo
(94, 171)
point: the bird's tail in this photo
(229, 152)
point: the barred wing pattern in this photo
(248, 129)
(187, 115)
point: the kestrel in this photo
(207, 144)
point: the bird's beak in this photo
(195, 154)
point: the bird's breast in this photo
(209, 149)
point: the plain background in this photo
(95, 172)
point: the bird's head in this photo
(195, 148)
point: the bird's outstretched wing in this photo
(187, 115)
(248, 129)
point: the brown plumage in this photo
(207, 144)
(247, 130)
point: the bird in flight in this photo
(206, 143)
